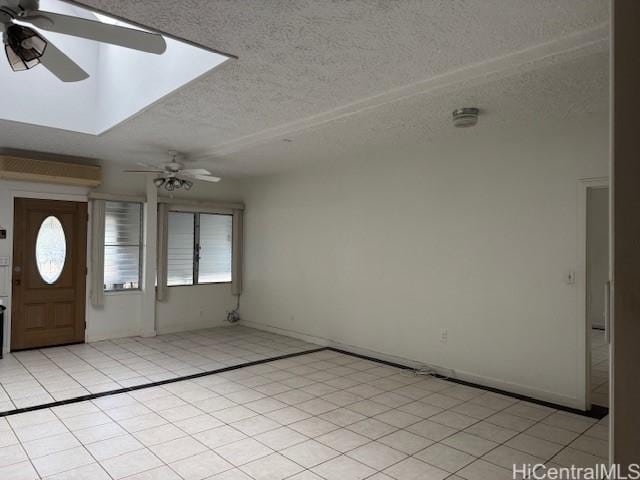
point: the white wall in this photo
(186, 308)
(473, 234)
(191, 308)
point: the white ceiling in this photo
(345, 69)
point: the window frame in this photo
(197, 247)
(140, 251)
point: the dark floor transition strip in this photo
(93, 396)
(596, 412)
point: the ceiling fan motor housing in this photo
(174, 166)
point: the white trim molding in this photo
(182, 205)
(583, 332)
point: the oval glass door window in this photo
(51, 249)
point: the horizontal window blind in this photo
(215, 248)
(122, 245)
(199, 248)
(180, 248)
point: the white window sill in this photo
(114, 293)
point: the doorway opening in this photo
(596, 289)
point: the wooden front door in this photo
(49, 273)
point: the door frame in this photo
(584, 323)
(16, 193)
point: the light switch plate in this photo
(4, 261)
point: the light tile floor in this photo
(599, 369)
(323, 415)
(37, 377)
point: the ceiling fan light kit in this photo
(173, 183)
(23, 47)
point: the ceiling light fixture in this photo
(172, 183)
(23, 47)
(465, 117)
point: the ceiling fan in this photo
(173, 175)
(27, 47)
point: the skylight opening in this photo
(102, 18)
(121, 83)
(110, 20)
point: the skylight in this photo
(122, 82)
(110, 20)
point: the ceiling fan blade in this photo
(206, 178)
(61, 65)
(195, 171)
(95, 30)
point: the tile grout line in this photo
(72, 433)
(407, 456)
(370, 441)
(20, 443)
(338, 406)
(178, 337)
(482, 457)
(598, 414)
(131, 352)
(93, 396)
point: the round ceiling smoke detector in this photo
(465, 117)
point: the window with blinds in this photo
(122, 246)
(199, 248)
(214, 264)
(180, 248)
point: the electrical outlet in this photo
(444, 335)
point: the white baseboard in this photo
(323, 342)
(183, 327)
(466, 376)
(470, 377)
(90, 337)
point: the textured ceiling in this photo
(301, 59)
(547, 96)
